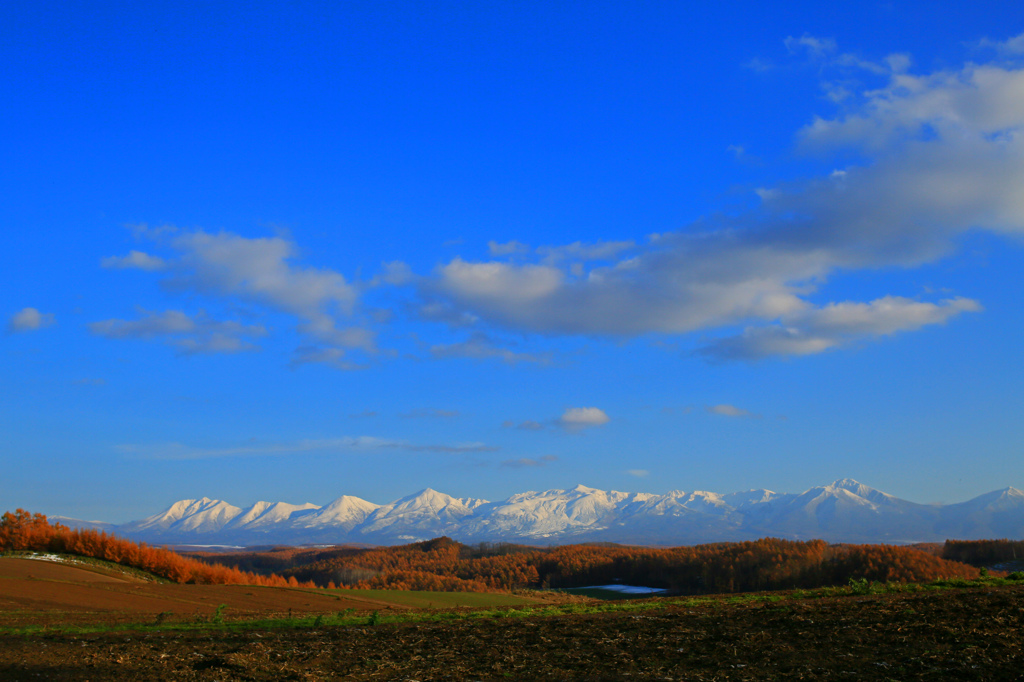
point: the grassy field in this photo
(436, 600)
(963, 631)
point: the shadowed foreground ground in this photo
(971, 634)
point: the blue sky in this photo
(294, 251)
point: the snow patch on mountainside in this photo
(843, 511)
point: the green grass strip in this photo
(349, 619)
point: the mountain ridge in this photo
(843, 511)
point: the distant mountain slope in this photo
(844, 511)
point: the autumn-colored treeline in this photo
(25, 531)
(983, 552)
(272, 559)
(767, 564)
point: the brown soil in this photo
(971, 634)
(34, 592)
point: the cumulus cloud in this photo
(264, 272)
(259, 269)
(480, 346)
(939, 154)
(576, 418)
(731, 411)
(29, 319)
(200, 334)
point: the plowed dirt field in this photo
(34, 592)
(962, 634)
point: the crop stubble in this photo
(970, 634)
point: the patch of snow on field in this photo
(47, 557)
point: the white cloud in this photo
(507, 249)
(1010, 47)
(639, 473)
(396, 273)
(192, 335)
(586, 252)
(135, 260)
(817, 48)
(576, 418)
(316, 355)
(260, 271)
(941, 154)
(731, 411)
(835, 325)
(29, 319)
(480, 346)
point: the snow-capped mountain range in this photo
(845, 511)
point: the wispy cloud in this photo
(480, 346)
(836, 325)
(317, 355)
(135, 260)
(430, 413)
(89, 382)
(346, 444)
(507, 249)
(363, 415)
(528, 462)
(528, 425)
(190, 334)
(817, 48)
(257, 271)
(726, 410)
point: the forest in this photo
(983, 552)
(22, 530)
(443, 564)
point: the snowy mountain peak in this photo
(847, 483)
(844, 511)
